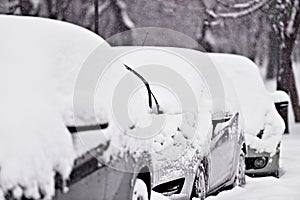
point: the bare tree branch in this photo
(101, 8)
(237, 5)
(291, 25)
(252, 7)
(125, 17)
(244, 5)
(9, 7)
(90, 12)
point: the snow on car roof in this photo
(47, 51)
(204, 77)
(248, 86)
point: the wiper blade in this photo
(150, 94)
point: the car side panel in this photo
(219, 159)
(91, 187)
(119, 180)
(235, 141)
(223, 154)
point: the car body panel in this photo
(95, 181)
(221, 164)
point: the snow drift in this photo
(39, 61)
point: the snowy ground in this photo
(270, 188)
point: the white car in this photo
(39, 63)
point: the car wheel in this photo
(199, 186)
(277, 174)
(140, 190)
(240, 179)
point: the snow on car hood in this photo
(256, 103)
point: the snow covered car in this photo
(40, 60)
(262, 124)
(201, 149)
(263, 163)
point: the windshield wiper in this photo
(150, 94)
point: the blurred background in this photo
(265, 31)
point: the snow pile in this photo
(34, 145)
(256, 104)
(39, 61)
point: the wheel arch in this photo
(145, 175)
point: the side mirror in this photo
(76, 129)
(219, 118)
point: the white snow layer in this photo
(256, 103)
(280, 96)
(36, 57)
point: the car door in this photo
(221, 150)
(235, 145)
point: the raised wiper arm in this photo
(150, 94)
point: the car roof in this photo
(219, 91)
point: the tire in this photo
(199, 185)
(240, 178)
(277, 174)
(140, 190)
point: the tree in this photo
(245, 20)
(287, 20)
(288, 26)
(96, 22)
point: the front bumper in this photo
(255, 165)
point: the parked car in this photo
(189, 162)
(59, 49)
(263, 163)
(262, 124)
